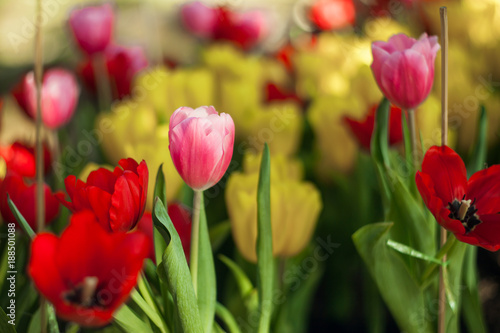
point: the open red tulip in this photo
(24, 197)
(117, 198)
(363, 129)
(87, 273)
(470, 209)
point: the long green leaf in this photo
(207, 286)
(176, 272)
(400, 291)
(5, 326)
(148, 310)
(478, 158)
(160, 191)
(130, 322)
(244, 284)
(20, 218)
(401, 248)
(265, 265)
(227, 318)
(471, 306)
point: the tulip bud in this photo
(404, 68)
(201, 145)
(59, 96)
(199, 19)
(92, 27)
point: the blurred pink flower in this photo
(244, 29)
(404, 68)
(92, 27)
(60, 93)
(201, 145)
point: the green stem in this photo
(195, 239)
(101, 78)
(413, 138)
(451, 241)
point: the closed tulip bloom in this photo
(24, 197)
(201, 145)
(404, 68)
(333, 14)
(20, 158)
(199, 19)
(92, 27)
(87, 273)
(295, 208)
(117, 198)
(59, 96)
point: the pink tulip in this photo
(199, 19)
(201, 145)
(92, 27)
(59, 96)
(404, 68)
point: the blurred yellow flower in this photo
(295, 207)
(132, 130)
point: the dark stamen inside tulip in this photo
(465, 212)
(84, 294)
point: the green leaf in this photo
(160, 191)
(471, 306)
(219, 233)
(34, 326)
(130, 322)
(52, 319)
(244, 284)
(404, 249)
(478, 158)
(149, 310)
(379, 148)
(176, 272)
(207, 287)
(453, 285)
(265, 264)
(227, 318)
(5, 327)
(20, 218)
(398, 288)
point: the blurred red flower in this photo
(363, 129)
(24, 197)
(117, 198)
(181, 218)
(333, 14)
(87, 273)
(21, 159)
(276, 93)
(244, 29)
(122, 63)
(469, 209)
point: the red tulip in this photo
(117, 198)
(24, 197)
(244, 29)
(275, 93)
(201, 145)
(333, 14)
(468, 209)
(181, 219)
(122, 63)
(59, 96)
(404, 68)
(363, 130)
(21, 159)
(87, 273)
(92, 27)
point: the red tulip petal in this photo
(102, 178)
(129, 164)
(100, 202)
(485, 234)
(447, 171)
(124, 211)
(484, 186)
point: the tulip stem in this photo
(40, 198)
(444, 141)
(195, 239)
(413, 137)
(101, 79)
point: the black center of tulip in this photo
(84, 294)
(465, 212)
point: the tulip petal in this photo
(447, 171)
(124, 211)
(485, 234)
(102, 178)
(100, 202)
(484, 186)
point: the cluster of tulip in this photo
(331, 126)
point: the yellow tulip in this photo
(295, 207)
(133, 131)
